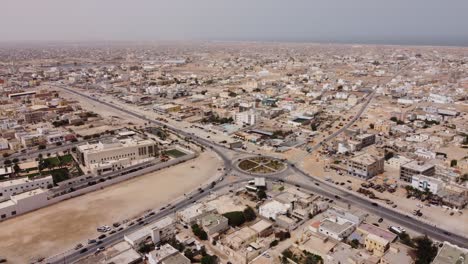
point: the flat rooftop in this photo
(372, 229)
(22, 181)
(28, 194)
(417, 166)
(334, 226)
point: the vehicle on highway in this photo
(116, 224)
(83, 250)
(91, 241)
(380, 220)
(337, 197)
(102, 236)
(99, 249)
(375, 204)
(78, 246)
(318, 184)
(120, 229)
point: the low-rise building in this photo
(263, 228)
(344, 253)
(195, 212)
(116, 153)
(424, 183)
(376, 244)
(354, 215)
(285, 222)
(158, 231)
(214, 223)
(23, 202)
(166, 254)
(451, 254)
(338, 229)
(20, 185)
(398, 253)
(272, 209)
(365, 166)
(413, 168)
(241, 237)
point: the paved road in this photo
(324, 189)
(74, 255)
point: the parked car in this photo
(78, 246)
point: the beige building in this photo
(413, 168)
(214, 223)
(377, 245)
(365, 165)
(166, 254)
(116, 153)
(397, 253)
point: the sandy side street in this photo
(61, 226)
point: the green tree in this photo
(208, 259)
(261, 194)
(249, 214)
(425, 250)
(200, 233)
(235, 218)
(453, 163)
(354, 243)
(189, 254)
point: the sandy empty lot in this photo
(59, 227)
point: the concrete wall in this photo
(101, 185)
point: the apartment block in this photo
(414, 168)
(365, 166)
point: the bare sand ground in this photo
(60, 227)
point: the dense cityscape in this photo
(233, 152)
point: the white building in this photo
(23, 203)
(338, 229)
(246, 118)
(12, 187)
(272, 209)
(161, 230)
(116, 153)
(440, 99)
(195, 212)
(214, 223)
(422, 183)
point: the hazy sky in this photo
(437, 22)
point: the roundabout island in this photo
(261, 165)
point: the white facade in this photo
(162, 229)
(272, 209)
(109, 155)
(12, 187)
(195, 212)
(247, 118)
(440, 99)
(23, 202)
(338, 229)
(422, 183)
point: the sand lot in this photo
(59, 227)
